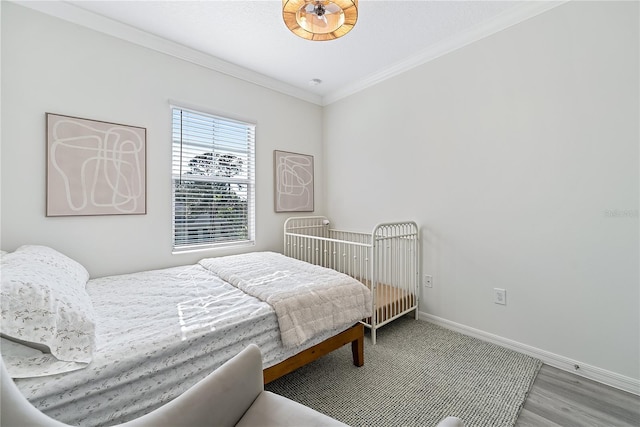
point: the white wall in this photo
(49, 65)
(511, 153)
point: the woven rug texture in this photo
(417, 374)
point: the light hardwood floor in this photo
(560, 398)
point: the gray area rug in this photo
(416, 375)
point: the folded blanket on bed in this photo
(308, 299)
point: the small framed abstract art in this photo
(293, 178)
(95, 167)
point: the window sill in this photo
(213, 246)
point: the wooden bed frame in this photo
(353, 335)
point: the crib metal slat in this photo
(385, 260)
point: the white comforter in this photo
(157, 333)
(308, 299)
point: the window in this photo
(213, 180)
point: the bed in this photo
(385, 260)
(133, 342)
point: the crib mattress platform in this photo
(391, 301)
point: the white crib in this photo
(386, 260)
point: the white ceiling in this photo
(249, 38)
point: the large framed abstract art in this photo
(95, 167)
(293, 182)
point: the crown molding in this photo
(507, 19)
(85, 18)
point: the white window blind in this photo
(213, 180)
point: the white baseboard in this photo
(600, 375)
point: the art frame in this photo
(293, 182)
(95, 167)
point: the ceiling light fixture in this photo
(320, 19)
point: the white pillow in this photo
(44, 302)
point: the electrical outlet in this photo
(428, 281)
(500, 296)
